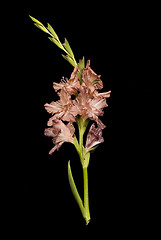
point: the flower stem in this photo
(86, 199)
(81, 138)
(84, 157)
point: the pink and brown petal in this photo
(94, 137)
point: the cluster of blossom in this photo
(78, 97)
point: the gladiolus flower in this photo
(61, 108)
(88, 102)
(91, 79)
(60, 133)
(89, 107)
(72, 85)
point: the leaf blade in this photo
(41, 27)
(68, 48)
(68, 58)
(81, 65)
(50, 28)
(74, 190)
(56, 42)
(35, 20)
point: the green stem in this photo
(81, 142)
(82, 125)
(84, 158)
(86, 199)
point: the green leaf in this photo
(41, 27)
(74, 190)
(49, 27)
(35, 20)
(69, 59)
(68, 48)
(56, 42)
(55, 39)
(81, 64)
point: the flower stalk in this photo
(86, 198)
(84, 157)
(79, 102)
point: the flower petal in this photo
(94, 137)
(97, 104)
(71, 128)
(53, 107)
(55, 117)
(56, 147)
(74, 73)
(102, 95)
(68, 116)
(58, 86)
(64, 97)
(60, 133)
(91, 79)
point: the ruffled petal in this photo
(64, 97)
(91, 79)
(71, 86)
(74, 73)
(53, 107)
(97, 105)
(94, 137)
(58, 86)
(60, 133)
(56, 147)
(102, 95)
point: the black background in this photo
(115, 38)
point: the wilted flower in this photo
(94, 137)
(60, 133)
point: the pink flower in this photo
(88, 102)
(89, 107)
(61, 108)
(60, 133)
(72, 85)
(91, 79)
(94, 137)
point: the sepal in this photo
(76, 144)
(86, 159)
